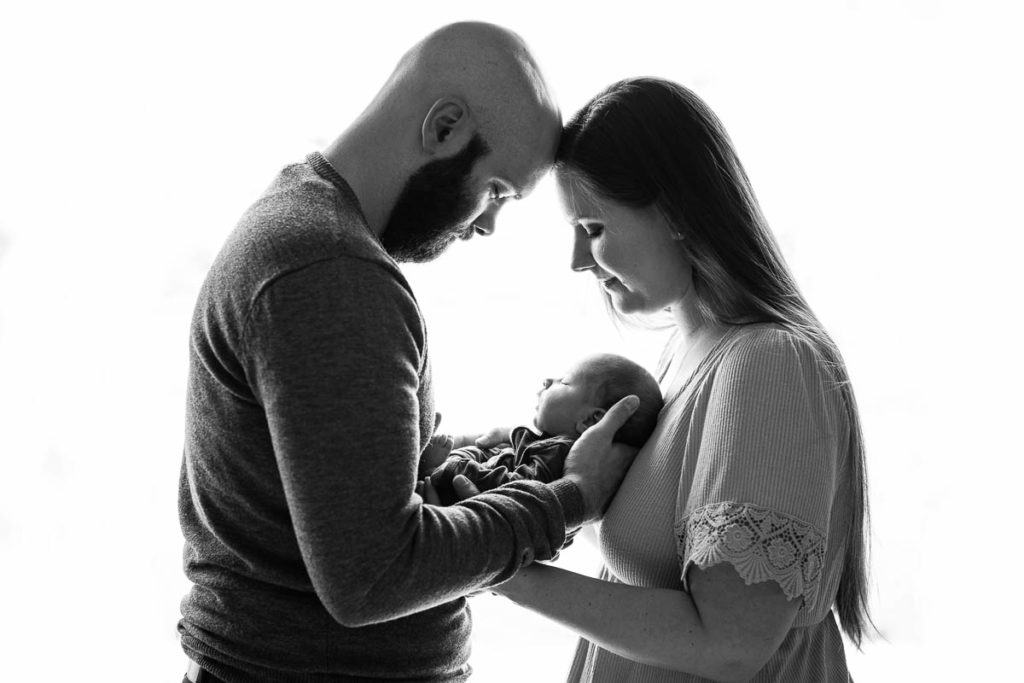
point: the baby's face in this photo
(563, 402)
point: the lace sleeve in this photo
(761, 544)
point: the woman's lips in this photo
(610, 282)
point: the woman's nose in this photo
(582, 259)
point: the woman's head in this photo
(632, 252)
(649, 158)
(653, 146)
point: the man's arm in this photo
(335, 352)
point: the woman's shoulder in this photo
(769, 344)
(767, 334)
(769, 364)
(766, 358)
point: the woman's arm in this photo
(724, 629)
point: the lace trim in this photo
(761, 544)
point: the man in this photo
(311, 554)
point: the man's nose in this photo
(582, 259)
(484, 223)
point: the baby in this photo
(566, 407)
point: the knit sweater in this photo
(311, 556)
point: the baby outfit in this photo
(527, 457)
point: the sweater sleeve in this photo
(334, 353)
(765, 478)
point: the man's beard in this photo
(435, 206)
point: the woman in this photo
(740, 524)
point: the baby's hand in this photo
(436, 452)
(495, 436)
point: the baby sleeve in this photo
(762, 488)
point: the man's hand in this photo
(596, 465)
(464, 489)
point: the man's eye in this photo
(593, 230)
(495, 194)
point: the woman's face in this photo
(630, 251)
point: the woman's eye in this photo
(593, 230)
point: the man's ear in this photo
(591, 419)
(446, 126)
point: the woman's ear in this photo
(591, 419)
(446, 126)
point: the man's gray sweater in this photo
(309, 402)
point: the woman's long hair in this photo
(647, 142)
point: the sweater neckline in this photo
(323, 168)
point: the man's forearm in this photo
(493, 536)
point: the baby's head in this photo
(568, 405)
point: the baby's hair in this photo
(615, 377)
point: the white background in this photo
(884, 142)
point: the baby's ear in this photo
(591, 419)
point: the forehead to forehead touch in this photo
(492, 70)
(580, 199)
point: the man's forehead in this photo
(521, 173)
(527, 154)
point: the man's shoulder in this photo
(302, 219)
(302, 210)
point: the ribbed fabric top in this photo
(746, 466)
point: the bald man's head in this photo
(488, 66)
(469, 120)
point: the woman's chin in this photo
(624, 304)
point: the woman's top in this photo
(748, 465)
